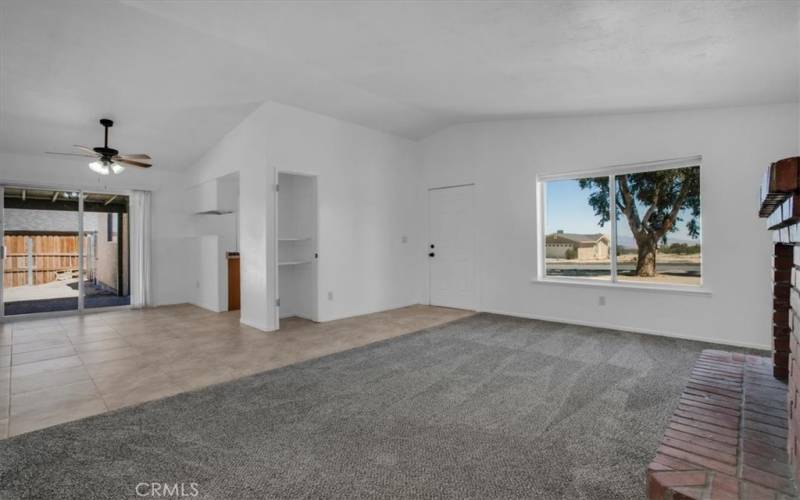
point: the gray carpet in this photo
(484, 407)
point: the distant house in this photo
(586, 246)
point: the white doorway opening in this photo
(297, 253)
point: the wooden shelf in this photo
(781, 179)
(785, 214)
(294, 262)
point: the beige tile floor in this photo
(61, 369)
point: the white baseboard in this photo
(207, 307)
(336, 317)
(632, 330)
(255, 325)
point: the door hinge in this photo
(277, 187)
(277, 302)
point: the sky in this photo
(568, 209)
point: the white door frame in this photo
(476, 276)
(276, 244)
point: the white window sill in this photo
(673, 289)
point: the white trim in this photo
(276, 245)
(451, 186)
(612, 214)
(81, 253)
(611, 172)
(252, 324)
(622, 285)
(276, 323)
(541, 202)
(627, 168)
(607, 326)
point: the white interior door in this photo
(451, 249)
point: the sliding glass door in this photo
(63, 250)
(106, 276)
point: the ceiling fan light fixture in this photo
(106, 160)
(100, 167)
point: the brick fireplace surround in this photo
(735, 432)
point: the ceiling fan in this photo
(108, 160)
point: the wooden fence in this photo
(50, 256)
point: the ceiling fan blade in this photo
(86, 150)
(134, 157)
(131, 162)
(82, 155)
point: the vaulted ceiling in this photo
(176, 76)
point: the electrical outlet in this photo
(601, 301)
(330, 295)
(404, 239)
(197, 284)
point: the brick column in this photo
(794, 369)
(781, 327)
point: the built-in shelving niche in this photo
(297, 246)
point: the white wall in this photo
(504, 158)
(170, 215)
(208, 258)
(211, 279)
(372, 192)
(369, 196)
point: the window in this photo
(575, 243)
(653, 237)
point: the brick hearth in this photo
(727, 438)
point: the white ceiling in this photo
(177, 76)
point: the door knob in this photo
(431, 254)
(433, 246)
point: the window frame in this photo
(611, 172)
(110, 227)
